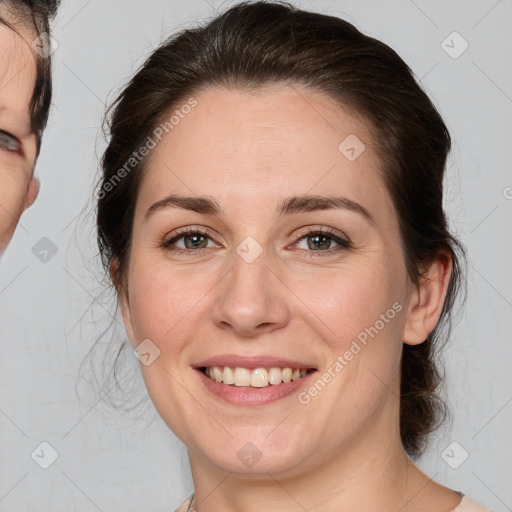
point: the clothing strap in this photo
(191, 505)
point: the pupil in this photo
(319, 242)
(195, 239)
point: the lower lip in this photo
(247, 395)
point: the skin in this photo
(18, 186)
(341, 451)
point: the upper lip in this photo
(234, 361)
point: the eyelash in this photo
(343, 243)
(10, 139)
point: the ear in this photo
(33, 192)
(122, 298)
(427, 299)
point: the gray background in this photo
(53, 311)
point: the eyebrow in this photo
(295, 204)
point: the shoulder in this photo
(468, 505)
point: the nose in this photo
(251, 300)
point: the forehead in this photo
(17, 74)
(272, 138)
(249, 152)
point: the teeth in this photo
(228, 376)
(257, 378)
(242, 377)
(275, 375)
(287, 375)
(217, 374)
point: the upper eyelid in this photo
(322, 229)
(13, 138)
(192, 230)
(9, 134)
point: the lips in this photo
(252, 380)
(252, 396)
(251, 363)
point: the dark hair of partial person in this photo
(37, 14)
(258, 44)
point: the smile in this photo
(256, 377)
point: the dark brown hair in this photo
(257, 44)
(37, 15)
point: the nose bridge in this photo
(250, 299)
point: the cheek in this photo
(166, 303)
(13, 192)
(350, 299)
(14, 184)
(358, 314)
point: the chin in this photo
(252, 454)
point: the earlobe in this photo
(32, 193)
(427, 299)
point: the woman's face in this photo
(300, 266)
(18, 187)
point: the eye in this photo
(323, 241)
(9, 142)
(189, 240)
